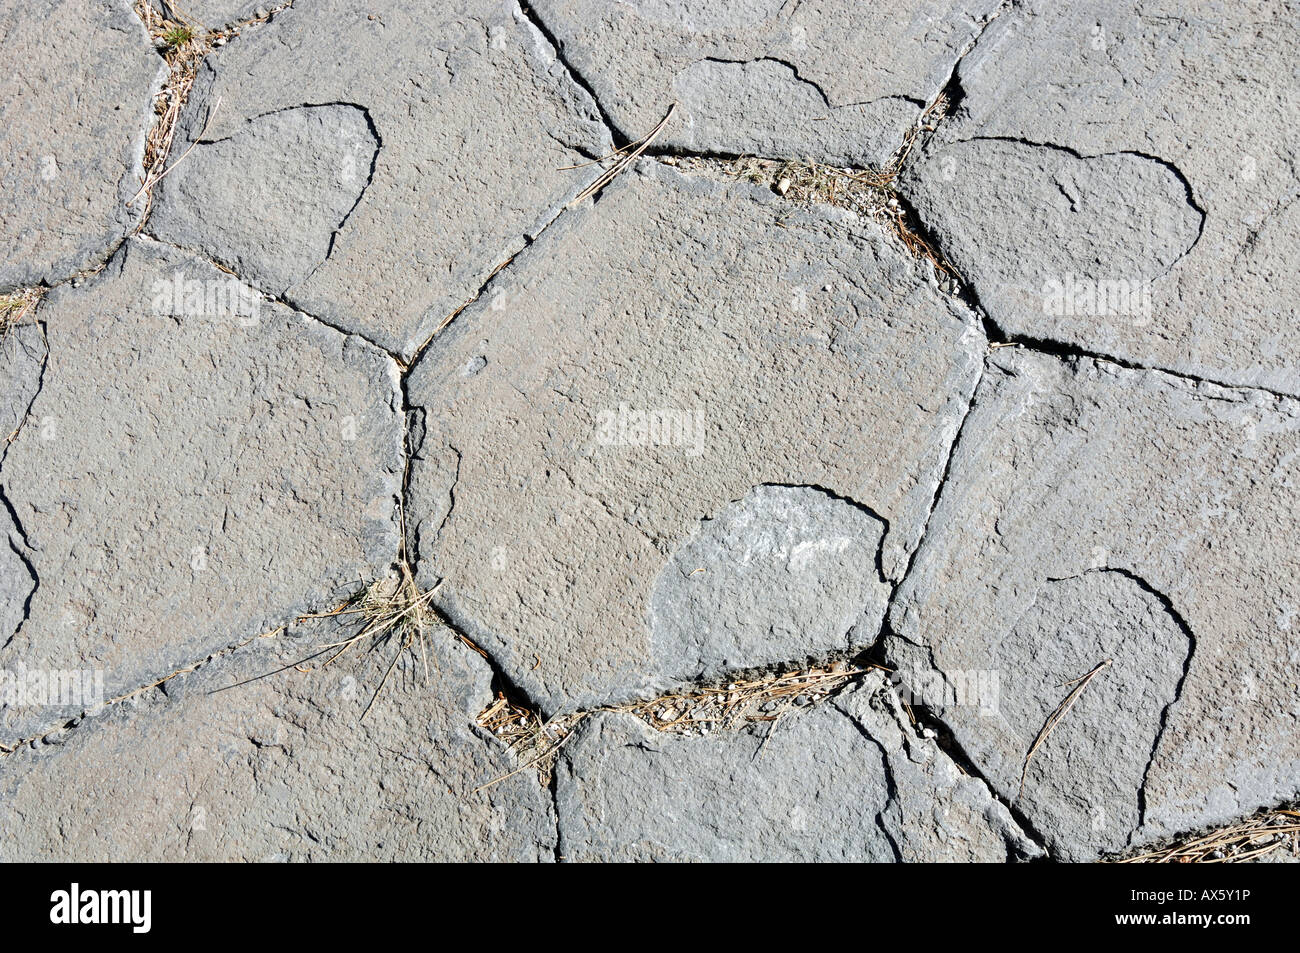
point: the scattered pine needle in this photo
(1055, 717)
(627, 155)
(1265, 832)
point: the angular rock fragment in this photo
(652, 362)
(200, 463)
(1121, 178)
(281, 768)
(374, 166)
(1093, 513)
(77, 79)
(845, 781)
(837, 82)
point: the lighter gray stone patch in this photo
(75, 104)
(779, 574)
(309, 167)
(1052, 242)
(196, 476)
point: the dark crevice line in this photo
(530, 14)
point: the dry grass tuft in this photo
(867, 193)
(393, 610)
(761, 699)
(1263, 833)
(16, 306)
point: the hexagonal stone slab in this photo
(1121, 178)
(75, 105)
(374, 166)
(839, 82)
(281, 768)
(845, 781)
(1093, 513)
(199, 465)
(645, 366)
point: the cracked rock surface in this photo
(63, 203)
(1095, 513)
(364, 495)
(1122, 178)
(188, 477)
(651, 361)
(838, 82)
(439, 134)
(850, 782)
(281, 769)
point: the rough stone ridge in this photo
(440, 134)
(838, 82)
(1096, 513)
(77, 80)
(1122, 178)
(845, 781)
(199, 464)
(282, 769)
(653, 359)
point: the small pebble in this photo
(802, 700)
(769, 706)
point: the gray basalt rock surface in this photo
(1018, 414)
(838, 82)
(650, 362)
(781, 569)
(283, 767)
(848, 780)
(374, 166)
(1093, 513)
(77, 80)
(1122, 178)
(199, 464)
